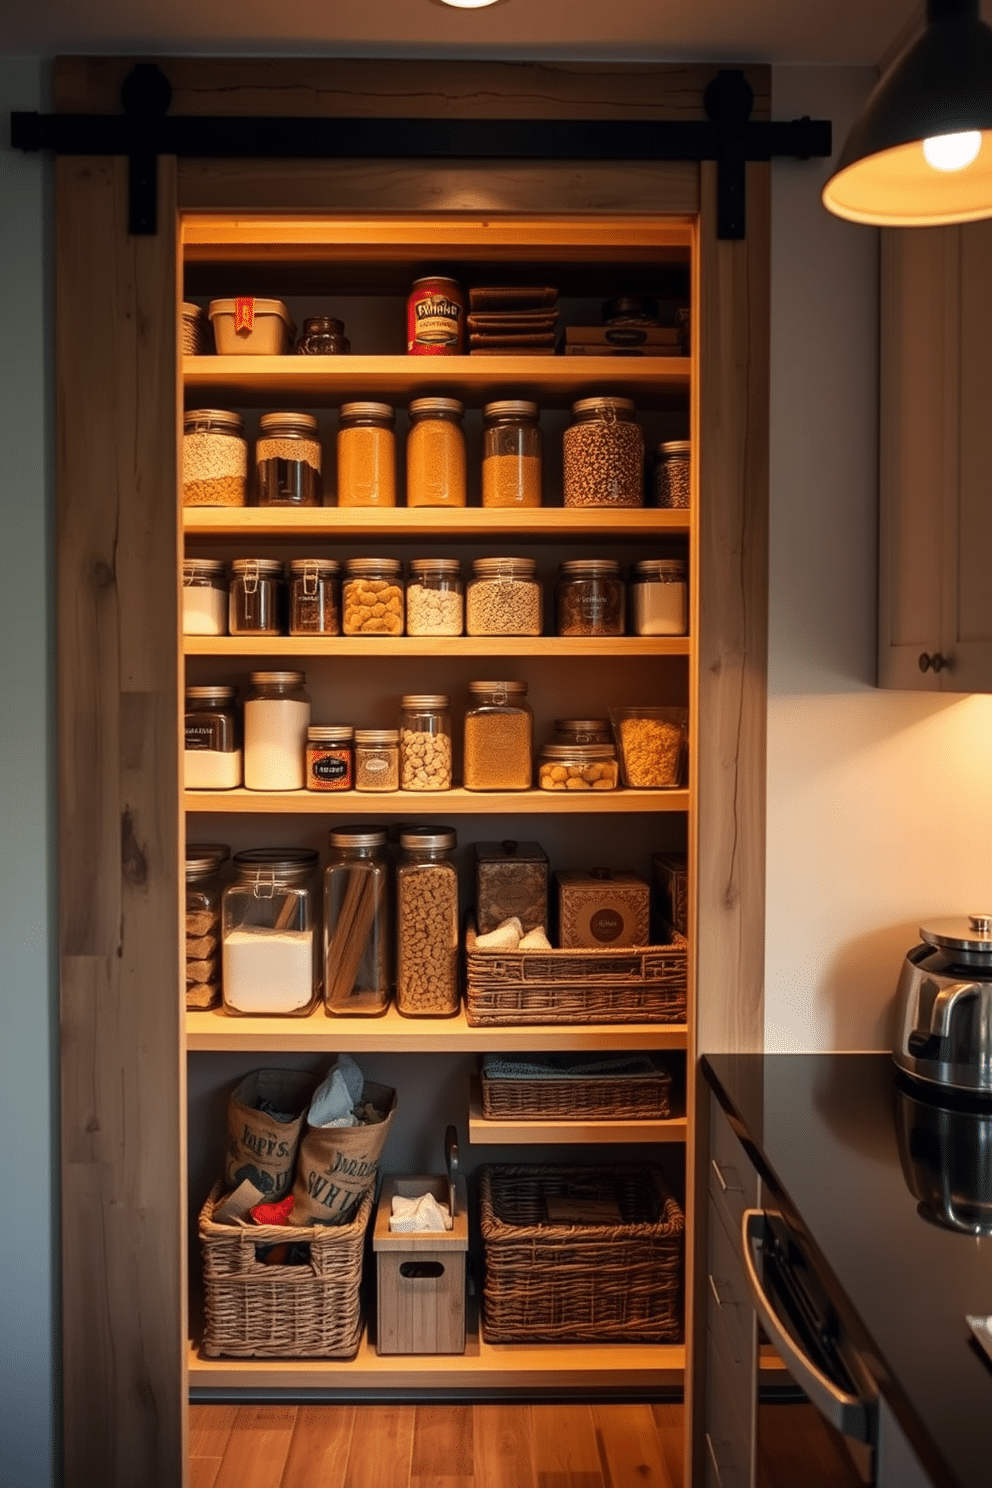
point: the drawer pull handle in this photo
(726, 1184)
(714, 1460)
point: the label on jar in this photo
(330, 771)
(435, 319)
(205, 733)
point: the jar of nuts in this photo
(366, 455)
(603, 454)
(575, 767)
(372, 599)
(503, 598)
(435, 599)
(425, 742)
(427, 924)
(499, 731)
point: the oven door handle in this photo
(848, 1413)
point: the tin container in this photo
(435, 322)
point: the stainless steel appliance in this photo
(945, 1149)
(945, 1006)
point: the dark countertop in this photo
(826, 1133)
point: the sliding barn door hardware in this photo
(145, 130)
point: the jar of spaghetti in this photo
(255, 597)
(366, 455)
(314, 604)
(329, 757)
(435, 453)
(287, 460)
(358, 931)
(435, 320)
(511, 454)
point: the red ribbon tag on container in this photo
(244, 313)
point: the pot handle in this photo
(944, 1004)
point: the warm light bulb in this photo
(468, 4)
(952, 152)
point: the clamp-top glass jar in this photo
(287, 457)
(660, 597)
(215, 458)
(203, 896)
(204, 597)
(372, 597)
(268, 914)
(603, 450)
(255, 597)
(425, 742)
(212, 747)
(499, 736)
(511, 454)
(672, 473)
(435, 599)
(427, 924)
(358, 935)
(503, 598)
(366, 455)
(590, 598)
(314, 604)
(277, 717)
(435, 453)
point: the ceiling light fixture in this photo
(468, 4)
(920, 154)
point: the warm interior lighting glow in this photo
(952, 152)
(468, 4)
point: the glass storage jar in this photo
(314, 597)
(212, 750)
(366, 455)
(204, 887)
(330, 757)
(255, 598)
(377, 759)
(372, 597)
(590, 598)
(499, 732)
(425, 742)
(435, 453)
(574, 767)
(503, 598)
(427, 924)
(672, 473)
(269, 931)
(659, 597)
(358, 932)
(435, 598)
(583, 731)
(287, 460)
(511, 454)
(204, 597)
(277, 717)
(215, 458)
(322, 335)
(603, 454)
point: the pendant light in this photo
(920, 154)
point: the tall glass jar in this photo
(435, 598)
(427, 924)
(269, 932)
(204, 597)
(503, 598)
(372, 597)
(603, 454)
(425, 742)
(511, 454)
(499, 737)
(255, 598)
(314, 597)
(215, 458)
(204, 888)
(672, 473)
(366, 455)
(358, 935)
(377, 759)
(212, 746)
(435, 453)
(277, 716)
(590, 598)
(287, 460)
(659, 597)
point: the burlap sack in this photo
(260, 1148)
(338, 1164)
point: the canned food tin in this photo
(435, 322)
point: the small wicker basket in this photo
(548, 1092)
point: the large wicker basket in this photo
(641, 985)
(606, 1280)
(282, 1311)
(548, 1087)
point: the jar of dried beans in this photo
(590, 598)
(435, 453)
(314, 603)
(287, 457)
(358, 933)
(511, 454)
(503, 598)
(603, 454)
(268, 923)
(203, 895)
(425, 742)
(499, 733)
(427, 924)
(435, 599)
(372, 597)
(672, 473)
(255, 598)
(215, 458)
(366, 455)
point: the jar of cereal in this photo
(427, 924)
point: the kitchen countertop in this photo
(821, 1129)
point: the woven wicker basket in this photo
(578, 1097)
(574, 1282)
(310, 1311)
(639, 985)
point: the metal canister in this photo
(435, 318)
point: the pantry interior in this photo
(260, 231)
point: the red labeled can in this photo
(435, 318)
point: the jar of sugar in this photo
(204, 597)
(276, 720)
(267, 930)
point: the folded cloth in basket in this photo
(565, 1066)
(420, 1213)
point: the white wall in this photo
(879, 803)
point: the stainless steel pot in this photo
(945, 1006)
(945, 1148)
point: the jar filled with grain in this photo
(372, 597)
(204, 597)
(603, 454)
(314, 597)
(659, 597)
(277, 717)
(212, 758)
(427, 924)
(672, 473)
(204, 887)
(377, 759)
(366, 455)
(358, 931)
(499, 735)
(287, 460)
(503, 598)
(578, 767)
(583, 731)
(215, 458)
(268, 924)
(330, 763)
(255, 598)
(511, 454)
(435, 597)
(425, 742)
(435, 453)
(590, 598)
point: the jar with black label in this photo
(590, 598)
(511, 454)
(269, 932)
(659, 597)
(212, 758)
(255, 600)
(425, 742)
(287, 457)
(203, 895)
(330, 757)
(603, 454)
(672, 474)
(358, 932)
(377, 759)
(314, 602)
(499, 734)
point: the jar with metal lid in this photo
(322, 335)
(603, 454)
(435, 597)
(287, 460)
(358, 931)
(314, 597)
(377, 759)
(330, 764)
(372, 597)
(672, 473)
(255, 597)
(575, 767)
(269, 919)
(659, 597)
(511, 454)
(215, 458)
(590, 598)
(583, 731)
(204, 888)
(212, 757)
(435, 453)
(277, 717)
(425, 742)
(435, 317)
(503, 598)
(204, 597)
(499, 734)
(366, 455)
(427, 924)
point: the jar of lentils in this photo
(314, 604)
(427, 924)
(366, 455)
(499, 736)
(372, 597)
(603, 454)
(435, 598)
(511, 454)
(425, 742)
(255, 598)
(377, 759)
(503, 598)
(435, 453)
(287, 460)
(590, 598)
(215, 458)
(672, 473)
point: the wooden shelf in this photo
(458, 802)
(394, 1034)
(466, 523)
(362, 647)
(516, 1133)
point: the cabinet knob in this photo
(935, 662)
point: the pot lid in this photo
(961, 933)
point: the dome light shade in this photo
(905, 163)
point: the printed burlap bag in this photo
(260, 1147)
(338, 1164)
